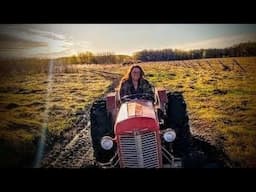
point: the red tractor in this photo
(140, 131)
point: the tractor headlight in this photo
(169, 135)
(106, 142)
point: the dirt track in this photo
(73, 148)
(74, 152)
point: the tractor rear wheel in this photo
(100, 126)
(178, 120)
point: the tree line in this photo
(240, 50)
(90, 58)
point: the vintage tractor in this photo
(140, 131)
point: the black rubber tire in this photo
(177, 119)
(100, 126)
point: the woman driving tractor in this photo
(134, 85)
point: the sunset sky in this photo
(56, 40)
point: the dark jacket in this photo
(144, 86)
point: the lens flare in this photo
(41, 144)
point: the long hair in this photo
(128, 75)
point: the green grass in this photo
(23, 103)
(220, 103)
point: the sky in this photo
(57, 40)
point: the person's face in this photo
(136, 74)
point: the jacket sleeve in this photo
(123, 89)
(148, 88)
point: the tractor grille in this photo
(139, 150)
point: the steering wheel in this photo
(145, 96)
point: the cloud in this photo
(47, 34)
(12, 42)
(220, 42)
(25, 31)
(63, 53)
(24, 41)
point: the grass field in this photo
(220, 97)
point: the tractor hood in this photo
(136, 116)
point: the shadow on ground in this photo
(205, 155)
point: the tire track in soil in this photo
(73, 149)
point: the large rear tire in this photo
(100, 126)
(178, 120)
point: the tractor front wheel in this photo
(177, 119)
(100, 126)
